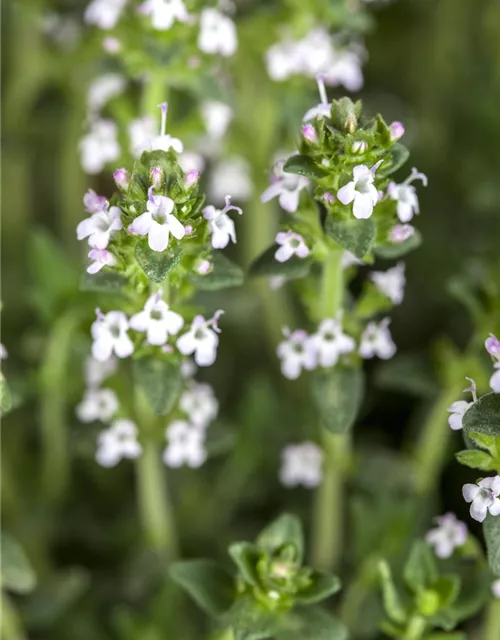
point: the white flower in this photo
(220, 224)
(495, 588)
(96, 372)
(447, 536)
(117, 442)
(285, 186)
(97, 404)
(157, 320)
(492, 345)
(94, 203)
(191, 161)
(457, 410)
(297, 352)
(401, 232)
(282, 61)
(141, 131)
(331, 342)
(361, 191)
(323, 109)
(103, 88)
(216, 118)
(483, 497)
(377, 341)
(102, 258)
(104, 13)
(291, 244)
(217, 33)
(99, 146)
(164, 12)
(231, 174)
(406, 195)
(345, 69)
(158, 222)
(199, 403)
(301, 465)
(186, 445)
(110, 336)
(391, 282)
(201, 340)
(142, 137)
(99, 227)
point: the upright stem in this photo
(492, 628)
(10, 624)
(327, 517)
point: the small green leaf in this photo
(476, 459)
(303, 166)
(157, 265)
(251, 621)
(456, 635)
(420, 571)
(104, 281)
(311, 624)
(484, 416)
(399, 154)
(399, 249)
(224, 274)
(392, 603)
(285, 529)
(356, 236)
(491, 531)
(210, 585)
(323, 585)
(338, 394)
(17, 573)
(267, 265)
(488, 443)
(5, 396)
(161, 381)
(447, 587)
(246, 556)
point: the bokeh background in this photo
(435, 65)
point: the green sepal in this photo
(338, 394)
(223, 275)
(246, 557)
(322, 586)
(157, 265)
(399, 249)
(484, 416)
(304, 166)
(267, 265)
(104, 281)
(17, 574)
(160, 380)
(357, 236)
(286, 529)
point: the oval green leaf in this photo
(357, 236)
(337, 395)
(225, 274)
(267, 265)
(161, 381)
(303, 166)
(484, 416)
(157, 265)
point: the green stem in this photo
(492, 628)
(328, 507)
(10, 623)
(415, 629)
(225, 634)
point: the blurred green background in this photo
(433, 64)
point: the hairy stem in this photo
(328, 507)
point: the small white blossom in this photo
(141, 131)
(99, 227)
(495, 379)
(377, 341)
(391, 282)
(199, 403)
(99, 146)
(282, 61)
(217, 33)
(188, 369)
(94, 203)
(110, 336)
(301, 464)
(292, 244)
(191, 161)
(447, 536)
(360, 191)
(483, 497)
(401, 232)
(457, 410)
(297, 352)
(406, 195)
(164, 13)
(231, 174)
(104, 13)
(201, 340)
(286, 187)
(220, 224)
(96, 372)
(495, 588)
(158, 222)
(186, 445)
(117, 442)
(103, 89)
(97, 404)
(101, 258)
(216, 118)
(331, 342)
(157, 321)
(143, 128)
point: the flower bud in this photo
(202, 267)
(188, 229)
(191, 178)
(397, 130)
(309, 133)
(122, 179)
(351, 123)
(328, 197)
(401, 232)
(492, 345)
(156, 176)
(360, 146)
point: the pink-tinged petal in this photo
(405, 211)
(101, 350)
(455, 421)
(142, 223)
(495, 508)
(210, 212)
(158, 236)
(495, 485)
(284, 253)
(176, 228)
(469, 492)
(289, 200)
(139, 322)
(302, 251)
(186, 344)
(460, 406)
(495, 381)
(174, 322)
(124, 347)
(95, 267)
(363, 206)
(282, 237)
(85, 228)
(478, 511)
(272, 191)
(346, 193)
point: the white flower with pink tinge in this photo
(361, 191)
(99, 227)
(220, 224)
(292, 244)
(457, 411)
(104, 13)
(94, 203)
(101, 258)
(301, 464)
(405, 195)
(186, 445)
(483, 497)
(450, 534)
(97, 404)
(492, 345)
(401, 232)
(109, 333)
(286, 187)
(391, 283)
(376, 340)
(217, 33)
(158, 222)
(157, 321)
(201, 340)
(96, 372)
(117, 442)
(331, 342)
(297, 352)
(164, 13)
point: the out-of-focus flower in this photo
(301, 465)
(99, 227)
(297, 352)
(376, 340)
(186, 445)
(97, 404)
(217, 33)
(199, 403)
(231, 174)
(99, 146)
(157, 321)
(103, 89)
(220, 224)
(391, 282)
(201, 340)
(117, 442)
(104, 13)
(292, 244)
(110, 336)
(331, 342)
(164, 13)
(406, 195)
(447, 536)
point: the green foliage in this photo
(104, 281)
(160, 380)
(267, 265)
(483, 416)
(396, 250)
(338, 394)
(399, 154)
(157, 265)
(491, 530)
(210, 586)
(357, 236)
(17, 574)
(476, 459)
(224, 274)
(303, 166)
(5, 396)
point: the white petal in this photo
(140, 321)
(205, 355)
(495, 508)
(455, 421)
(363, 206)
(220, 238)
(123, 346)
(272, 191)
(469, 492)
(495, 381)
(158, 236)
(291, 368)
(187, 343)
(478, 510)
(174, 322)
(405, 211)
(157, 333)
(346, 193)
(284, 253)
(289, 200)
(102, 349)
(176, 228)
(85, 228)
(142, 223)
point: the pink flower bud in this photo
(401, 232)
(309, 133)
(202, 267)
(191, 178)
(397, 130)
(328, 197)
(360, 146)
(492, 345)
(122, 179)
(156, 177)
(188, 229)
